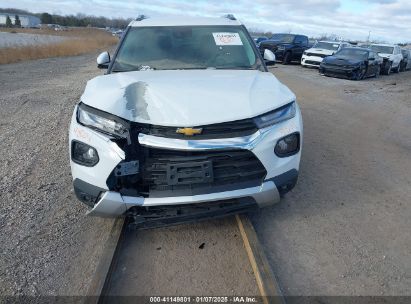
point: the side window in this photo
(301, 40)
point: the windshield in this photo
(326, 45)
(353, 54)
(286, 38)
(382, 49)
(186, 47)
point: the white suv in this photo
(186, 123)
(321, 49)
(392, 57)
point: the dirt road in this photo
(205, 258)
(344, 230)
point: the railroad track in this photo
(101, 284)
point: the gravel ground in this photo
(23, 39)
(345, 228)
(48, 245)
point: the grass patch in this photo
(79, 41)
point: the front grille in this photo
(317, 55)
(231, 170)
(230, 129)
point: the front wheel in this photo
(403, 65)
(359, 74)
(387, 68)
(397, 69)
(377, 72)
(287, 58)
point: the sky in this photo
(387, 20)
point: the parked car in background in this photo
(353, 63)
(391, 55)
(286, 47)
(315, 55)
(259, 39)
(406, 60)
(118, 33)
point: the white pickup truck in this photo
(391, 55)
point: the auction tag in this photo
(227, 39)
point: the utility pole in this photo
(369, 34)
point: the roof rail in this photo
(230, 16)
(141, 17)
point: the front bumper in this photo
(113, 203)
(339, 72)
(281, 172)
(312, 61)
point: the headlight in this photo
(284, 113)
(305, 53)
(101, 121)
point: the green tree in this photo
(17, 21)
(46, 18)
(8, 21)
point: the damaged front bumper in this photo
(92, 187)
(111, 203)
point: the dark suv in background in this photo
(286, 47)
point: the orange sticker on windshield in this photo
(227, 39)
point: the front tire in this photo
(287, 58)
(377, 73)
(397, 69)
(403, 65)
(359, 75)
(387, 68)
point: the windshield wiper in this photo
(137, 68)
(235, 68)
(190, 68)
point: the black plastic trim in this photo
(86, 193)
(285, 182)
(161, 216)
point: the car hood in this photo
(186, 97)
(385, 55)
(341, 61)
(320, 51)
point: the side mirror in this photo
(269, 56)
(103, 60)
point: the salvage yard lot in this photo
(344, 229)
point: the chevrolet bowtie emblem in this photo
(189, 131)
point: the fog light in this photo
(288, 145)
(83, 154)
